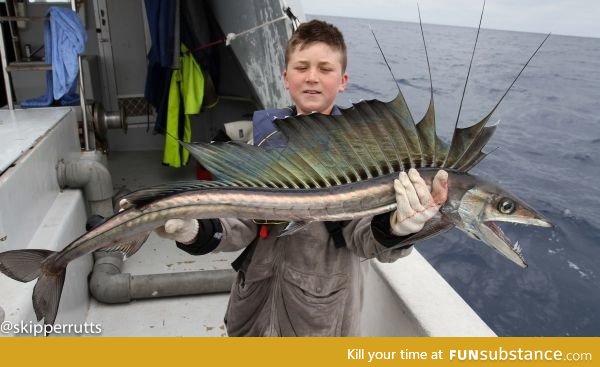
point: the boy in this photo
(309, 282)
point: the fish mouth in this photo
(491, 234)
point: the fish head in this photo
(482, 204)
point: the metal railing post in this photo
(7, 81)
(82, 92)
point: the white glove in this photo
(124, 204)
(415, 203)
(183, 231)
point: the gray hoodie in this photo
(300, 284)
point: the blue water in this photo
(549, 144)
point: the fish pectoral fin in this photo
(292, 228)
(433, 227)
(129, 247)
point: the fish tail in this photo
(46, 295)
(27, 265)
(23, 265)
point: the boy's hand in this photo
(415, 203)
(183, 231)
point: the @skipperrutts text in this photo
(35, 329)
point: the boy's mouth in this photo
(310, 91)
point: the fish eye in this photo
(506, 206)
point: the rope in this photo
(231, 36)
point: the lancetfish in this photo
(328, 168)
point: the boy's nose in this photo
(312, 76)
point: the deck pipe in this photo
(89, 172)
(108, 284)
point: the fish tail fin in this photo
(23, 265)
(27, 265)
(46, 295)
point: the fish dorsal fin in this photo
(368, 140)
(473, 154)
(430, 142)
(309, 147)
(433, 149)
(467, 143)
(407, 129)
(229, 162)
(254, 166)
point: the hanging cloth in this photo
(162, 23)
(64, 41)
(187, 88)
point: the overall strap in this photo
(243, 259)
(335, 230)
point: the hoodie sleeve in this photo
(221, 235)
(370, 237)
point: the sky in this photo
(566, 17)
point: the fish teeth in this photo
(517, 247)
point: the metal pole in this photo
(82, 104)
(82, 92)
(7, 83)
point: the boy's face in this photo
(314, 77)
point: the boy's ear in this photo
(285, 80)
(344, 82)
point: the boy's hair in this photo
(317, 31)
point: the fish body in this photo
(471, 202)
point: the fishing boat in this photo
(60, 165)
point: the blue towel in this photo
(64, 40)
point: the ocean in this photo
(548, 153)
